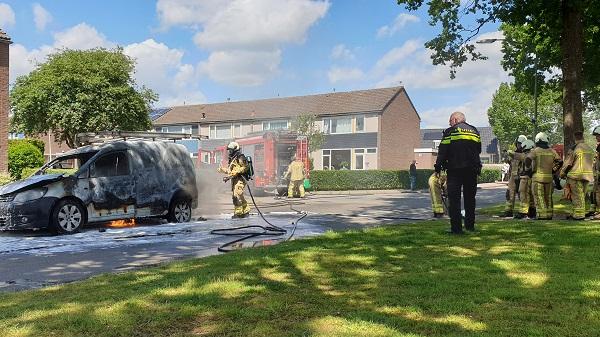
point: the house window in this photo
(337, 125)
(275, 125)
(436, 144)
(164, 129)
(326, 159)
(359, 159)
(360, 123)
(237, 130)
(206, 157)
(371, 150)
(186, 129)
(336, 159)
(222, 131)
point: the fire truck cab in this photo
(271, 153)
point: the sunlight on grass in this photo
(454, 251)
(591, 289)
(274, 274)
(340, 327)
(414, 314)
(529, 279)
(230, 287)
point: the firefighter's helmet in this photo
(233, 146)
(541, 137)
(528, 144)
(520, 139)
(596, 131)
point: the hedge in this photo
(342, 180)
(27, 172)
(35, 142)
(5, 179)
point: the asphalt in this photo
(37, 259)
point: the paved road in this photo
(37, 259)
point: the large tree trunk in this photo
(572, 69)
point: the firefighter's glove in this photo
(226, 179)
(557, 183)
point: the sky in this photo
(209, 51)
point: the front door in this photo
(112, 187)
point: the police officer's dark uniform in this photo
(458, 154)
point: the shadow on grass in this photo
(510, 279)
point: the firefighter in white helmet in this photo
(596, 191)
(514, 160)
(544, 162)
(235, 171)
(527, 207)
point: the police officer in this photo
(514, 160)
(437, 187)
(296, 173)
(458, 154)
(544, 162)
(237, 168)
(526, 207)
(578, 169)
(596, 192)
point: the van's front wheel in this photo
(67, 217)
(180, 211)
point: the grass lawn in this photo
(512, 278)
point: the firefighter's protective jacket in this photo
(237, 166)
(579, 163)
(543, 162)
(295, 171)
(460, 148)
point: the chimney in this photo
(4, 103)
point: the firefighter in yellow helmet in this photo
(235, 171)
(437, 187)
(514, 160)
(578, 170)
(544, 162)
(596, 192)
(526, 207)
(296, 173)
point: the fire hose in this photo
(252, 231)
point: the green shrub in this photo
(5, 179)
(22, 155)
(28, 171)
(35, 142)
(343, 180)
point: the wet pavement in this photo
(37, 259)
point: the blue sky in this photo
(198, 51)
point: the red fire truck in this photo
(271, 153)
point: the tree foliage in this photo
(555, 34)
(306, 125)
(81, 91)
(511, 114)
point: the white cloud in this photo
(242, 68)
(340, 52)
(256, 29)
(7, 16)
(401, 20)
(339, 74)
(41, 17)
(475, 109)
(396, 55)
(81, 36)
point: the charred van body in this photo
(111, 181)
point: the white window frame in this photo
(327, 122)
(436, 144)
(186, 129)
(237, 134)
(164, 129)
(213, 131)
(356, 123)
(266, 125)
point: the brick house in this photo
(367, 129)
(426, 153)
(5, 41)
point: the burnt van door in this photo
(152, 182)
(112, 187)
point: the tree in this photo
(306, 125)
(511, 114)
(78, 91)
(566, 29)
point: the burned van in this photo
(111, 181)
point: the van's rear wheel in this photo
(67, 217)
(180, 211)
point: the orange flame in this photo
(122, 223)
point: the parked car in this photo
(110, 181)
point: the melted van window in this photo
(110, 165)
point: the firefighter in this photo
(296, 173)
(238, 167)
(526, 208)
(437, 187)
(513, 176)
(578, 170)
(544, 162)
(596, 191)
